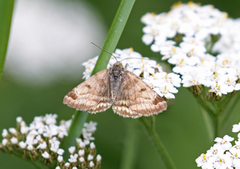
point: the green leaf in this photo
(6, 10)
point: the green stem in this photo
(202, 102)
(208, 124)
(114, 33)
(158, 144)
(152, 122)
(216, 123)
(6, 10)
(110, 44)
(210, 116)
(130, 146)
(74, 132)
(229, 109)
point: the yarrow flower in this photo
(223, 154)
(201, 43)
(150, 72)
(43, 137)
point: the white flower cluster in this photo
(42, 138)
(151, 73)
(222, 155)
(200, 42)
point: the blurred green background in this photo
(180, 127)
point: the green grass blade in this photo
(114, 33)
(6, 10)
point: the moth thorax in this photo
(117, 70)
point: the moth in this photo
(128, 95)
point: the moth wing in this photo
(104, 103)
(137, 99)
(90, 93)
(121, 106)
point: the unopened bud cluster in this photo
(42, 138)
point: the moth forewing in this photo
(88, 94)
(126, 92)
(137, 98)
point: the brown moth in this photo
(128, 95)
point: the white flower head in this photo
(13, 131)
(142, 67)
(81, 144)
(166, 90)
(50, 119)
(91, 164)
(67, 164)
(224, 142)
(30, 147)
(220, 88)
(73, 158)
(22, 145)
(42, 146)
(54, 147)
(4, 142)
(223, 161)
(193, 29)
(19, 119)
(60, 151)
(81, 159)
(14, 140)
(62, 131)
(71, 149)
(236, 128)
(234, 153)
(99, 157)
(90, 157)
(4, 133)
(24, 129)
(204, 160)
(81, 152)
(60, 158)
(92, 145)
(90, 127)
(45, 155)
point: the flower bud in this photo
(212, 96)
(197, 89)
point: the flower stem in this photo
(74, 132)
(130, 146)
(229, 109)
(6, 10)
(152, 122)
(210, 122)
(158, 144)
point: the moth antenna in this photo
(105, 51)
(132, 58)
